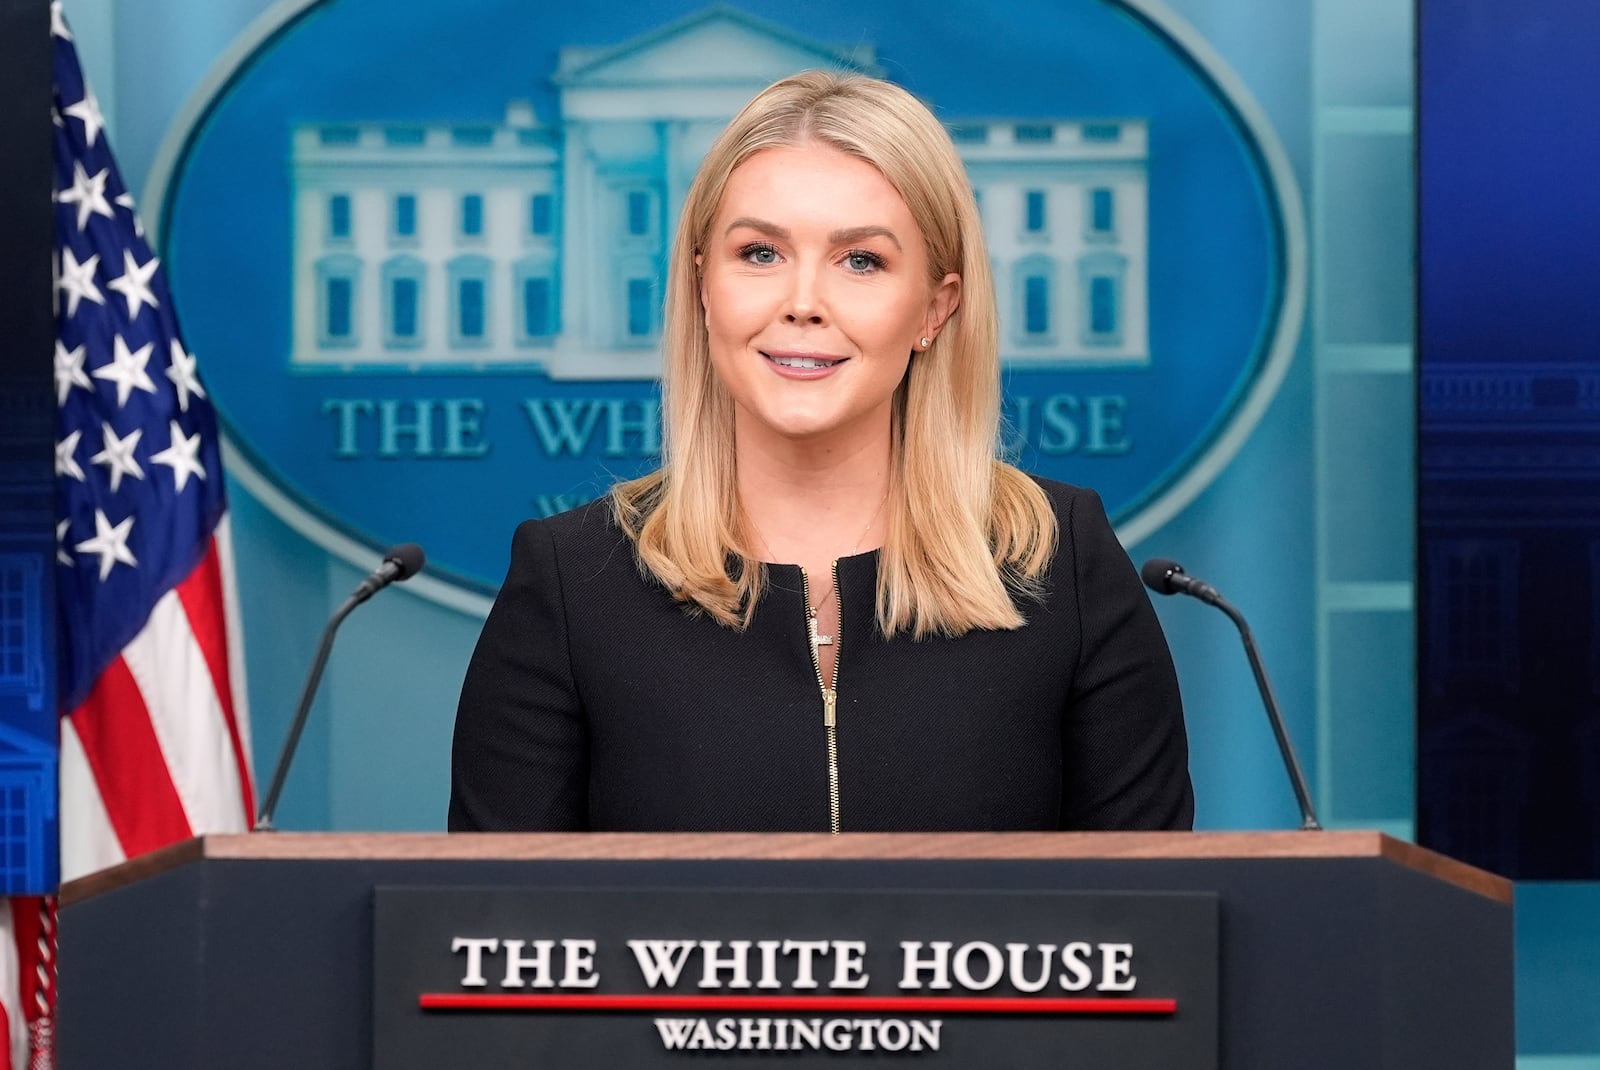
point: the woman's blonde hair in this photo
(966, 534)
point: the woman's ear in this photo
(942, 305)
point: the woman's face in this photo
(815, 285)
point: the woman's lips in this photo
(801, 365)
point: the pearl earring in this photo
(926, 342)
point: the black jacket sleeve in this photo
(1126, 751)
(520, 757)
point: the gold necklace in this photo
(818, 639)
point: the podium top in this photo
(793, 846)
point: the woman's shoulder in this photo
(589, 530)
(1083, 526)
(592, 517)
(1066, 497)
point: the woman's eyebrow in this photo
(771, 229)
(855, 234)
(838, 237)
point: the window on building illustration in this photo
(1474, 608)
(1102, 132)
(1036, 304)
(339, 135)
(15, 867)
(638, 212)
(405, 215)
(1102, 212)
(1102, 305)
(470, 308)
(405, 135)
(541, 213)
(339, 216)
(468, 289)
(1475, 597)
(538, 312)
(536, 317)
(16, 578)
(472, 215)
(640, 313)
(472, 135)
(969, 133)
(403, 293)
(402, 299)
(1032, 314)
(1034, 133)
(337, 295)
(340, 302)
(1100, 285)
(1034, 211)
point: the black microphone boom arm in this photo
(400, 563)
(1168, 577)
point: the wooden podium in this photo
(1347, 950)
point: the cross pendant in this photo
(817, 638)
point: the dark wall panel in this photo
(27, 431)
(1509, 435)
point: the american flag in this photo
(154, 729)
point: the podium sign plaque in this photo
(644, 977)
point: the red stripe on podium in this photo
(464, 1001)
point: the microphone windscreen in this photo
(1158, 574)
(409, 557)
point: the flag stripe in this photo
(170, 670)
(222, 541)
(88, 842)
(201, 595)
(14, 1053)
(125, 759)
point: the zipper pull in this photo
(830, 707)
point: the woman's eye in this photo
(763, 255)
(861, 262)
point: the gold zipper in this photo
(830, 695)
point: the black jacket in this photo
(594, 701)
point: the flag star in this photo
(181, 456)
(111, 543)
(127, 369)
(89, 194)
(58, 22)
(77, 280)
(182, 373)
(134, 283)
(69, 372)
(118, 455)
(61, 537)
(66, 459)
(88, 110)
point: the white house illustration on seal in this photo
(540, 242)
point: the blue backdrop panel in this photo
(1289, 519)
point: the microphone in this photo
(1168, 577)
(400, 563)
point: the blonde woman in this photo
(832, 607)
